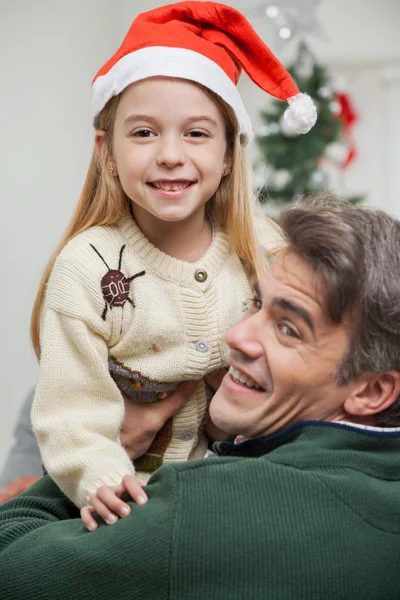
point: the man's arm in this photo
(23, 460)
(46, 553)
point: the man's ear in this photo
(101, 150)
(375, 393)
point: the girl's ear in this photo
(227, 163)
(375, 393)
(99, 141)
(101, 150)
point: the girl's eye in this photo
(252, 305)
(143, 133)
(197, 134)
(288, 331)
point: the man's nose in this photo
(171, 151)
(244, 337)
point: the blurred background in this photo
(346, 54)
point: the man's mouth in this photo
(239, 377)
(171, 186)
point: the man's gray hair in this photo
(357, 252)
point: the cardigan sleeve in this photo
(78, 409)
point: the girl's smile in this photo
(172, 187)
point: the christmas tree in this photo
(295, 163)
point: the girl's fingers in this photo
(108, 505)
(134, 489)
(87, 518)
(109, 497)
(102, 509)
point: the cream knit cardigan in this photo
(172, 329)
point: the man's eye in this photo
(288, 331)
(252, 305)
(143, 133)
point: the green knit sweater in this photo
(310, 513)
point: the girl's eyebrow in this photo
(136, 117)
(142, 117)
(203, 118)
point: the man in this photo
(305, 503)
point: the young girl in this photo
(159, 256)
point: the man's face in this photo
(284, 356)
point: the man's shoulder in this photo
(190, 477)
(257, 515)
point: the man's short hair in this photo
(356, 250)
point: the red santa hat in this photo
(210, 44)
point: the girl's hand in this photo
(141, 424)
(107, 503)
(143, 421)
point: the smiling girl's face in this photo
(169, 149)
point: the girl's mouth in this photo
(171, 186)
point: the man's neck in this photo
(366, 421)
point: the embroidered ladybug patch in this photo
(115, 286)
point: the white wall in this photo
(391, 79)
(49, 52)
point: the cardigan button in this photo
(200, 275)
(186, 436)
(201, 346)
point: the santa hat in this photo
(210, 44)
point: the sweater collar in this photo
(173, 269)
(312, 444)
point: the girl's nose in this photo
(171, 152)
(245, 337)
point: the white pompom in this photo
(285, 130)
(301, 113)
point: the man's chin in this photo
(225, 417)
(221, 414)
(239, 424)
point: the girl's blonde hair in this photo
(104, 202)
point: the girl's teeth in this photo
(171, 188)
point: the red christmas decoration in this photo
(348, 116)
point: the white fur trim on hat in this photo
(301, 114)
(156, 61)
